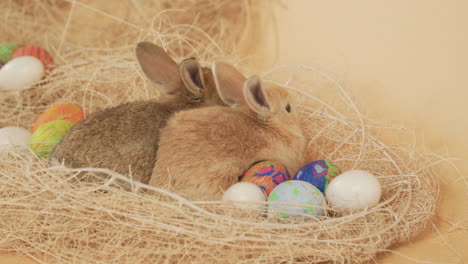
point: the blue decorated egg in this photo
(319, 173)
(297, 192)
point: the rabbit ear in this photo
(229, 83)
(255, 97)
(158, 66)
(192, 76)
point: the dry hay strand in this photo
(48, 215)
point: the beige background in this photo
(408, 62)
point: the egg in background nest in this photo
(12, 138)
(48, 135)
(34, 51)
(69, 112)
(296, 192)
(354, 189)
(21, 73)
(6, 51)
(267, 175)
(319, 173)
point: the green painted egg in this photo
(48, 135)
(6, 51)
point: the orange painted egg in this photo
(267, 175)
(68, 112)
(35, 51)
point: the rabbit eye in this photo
(288, 108)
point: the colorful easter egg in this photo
(297, 192)
(35, 51)
(354, 189)
(21, 73)
(319, 173)
(6, 51)
(12, 137)
(48, 135)
(245, 192)
(267, 175)
(69, 112)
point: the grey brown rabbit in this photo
(125, 138)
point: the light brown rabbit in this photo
(204, 151)
(125, 138)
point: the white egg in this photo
(355, 189)
(21, 73)
(245, 192)
(12, 137)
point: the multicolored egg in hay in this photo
(69, 112)
(48, 135)
(6, 51)
(297, 192)
(35, 51)
(319, 173)
(267, 175)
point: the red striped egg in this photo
(35, 51)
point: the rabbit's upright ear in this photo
(158, 66)
(229, 83)
(256, 98)
(191, 74)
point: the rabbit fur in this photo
(204, 151)
(125, 138)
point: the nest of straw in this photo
(47, 214)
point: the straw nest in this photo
(48, 215)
